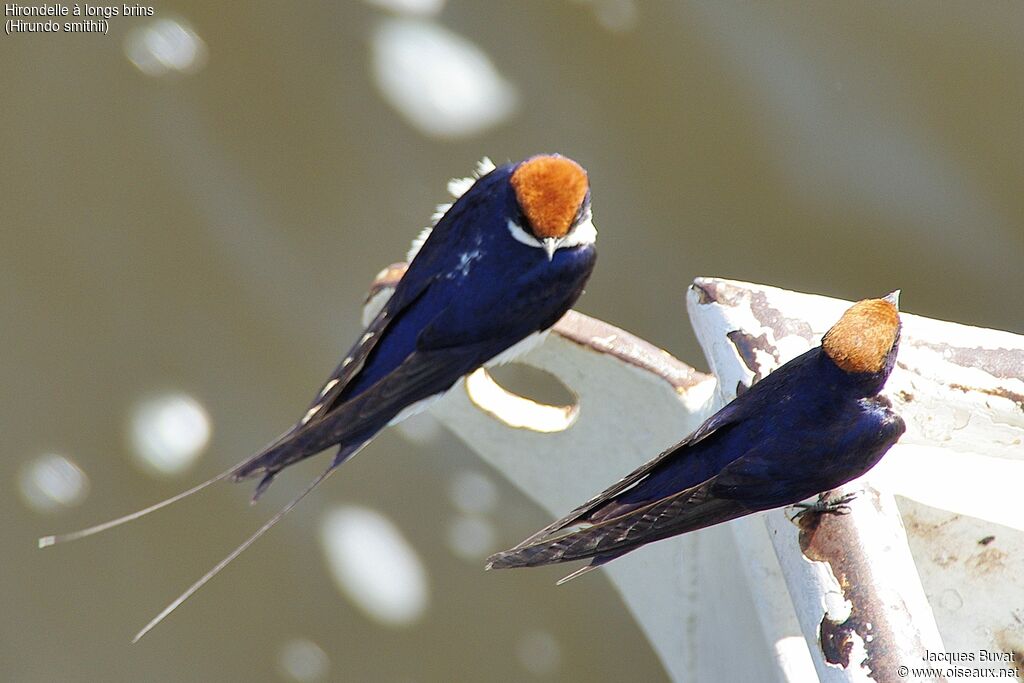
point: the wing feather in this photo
(721, 420)
(688, 510)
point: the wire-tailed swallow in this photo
(814, 424)
(505, 262)
(500, 266)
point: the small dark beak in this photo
(550, 245)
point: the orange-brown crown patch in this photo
(549, 190)
(864, 336)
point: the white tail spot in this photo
(328, 387)
(311, 412)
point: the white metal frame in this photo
(852, 598)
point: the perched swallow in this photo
(500, 266)
(814, 424)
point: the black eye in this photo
(583, 211)
(515, 212)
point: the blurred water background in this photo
(194, 204)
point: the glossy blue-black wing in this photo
(289, 447)
(449, 343)
(764, 477)
(433, 260)
(712, 432)
(813, 460)
(604, 502)
(688, 510)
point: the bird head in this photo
(552, 194)
(865, 340)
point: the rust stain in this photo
(585, 331)
(1011, 642)
(1002, 363)
(905, 396)
(836, 640)
(706, 291)
(827, 538)
(773, 318)
(747, 347)
(808, 524)
(989, 560)
(1000, 392)
(930, 531)
(935, 537)
(713, 291)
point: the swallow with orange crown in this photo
(814, 424)
(499, 267)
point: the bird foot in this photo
(832, 506)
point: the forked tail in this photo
(234, 553)
(47, 541)
(342, 455)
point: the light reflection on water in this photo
(303, 661)
(52, 482)
(471, 535)
(374, 566)
(168, 433)
(423, 8)
(472, 492)
(617, 16)
(539, 653)
(471, 538)
(163, 46)
(442, 83)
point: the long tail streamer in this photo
(235, 553)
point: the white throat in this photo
(583, 233)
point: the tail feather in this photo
(608, 538)
(579, 572)
(47, 541)
(595, 562)
(343, 454)
(542, 555)
(281, 452)
(277, 457)
(603, 537)
(203, 580)
(577, 545)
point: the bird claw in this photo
(834, 506)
